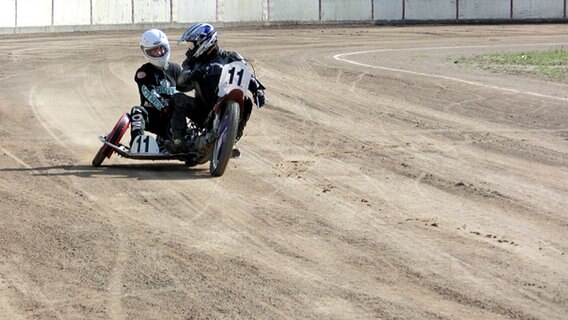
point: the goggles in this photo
(156, 52)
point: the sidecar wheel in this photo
(99, 157)
(113, 137)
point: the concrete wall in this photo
(76, 12)
(32, 13)
(531, 9)
(430, 9)
(388, 10)
(111, 11)
(7, 14)
(195, 10)
(484, 9)
(286, 10)
(69, 15)
(241, 10)
(152, 11)
(352, 10)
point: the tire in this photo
(99, 157)
(113, 137)
(227, 134)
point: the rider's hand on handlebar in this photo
(198, 73)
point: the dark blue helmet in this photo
(201, 38)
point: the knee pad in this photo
(137, 111)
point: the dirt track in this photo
(414, 189)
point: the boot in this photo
(176, 145)
(236, 152)
(138, 119)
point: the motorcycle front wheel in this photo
(226, 135)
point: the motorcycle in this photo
(213, 142)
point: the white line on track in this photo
(18, 160)
(340, 57)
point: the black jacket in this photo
(211, 67)
(156, 85)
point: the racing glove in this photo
(193, 75)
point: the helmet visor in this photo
(156, 52)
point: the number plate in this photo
(235, 75)
(144, 145)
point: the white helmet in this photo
(156, 47)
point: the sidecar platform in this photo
(142, 154)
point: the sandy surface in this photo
(388, 184)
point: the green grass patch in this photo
(550, 64)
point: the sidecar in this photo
(144, 147)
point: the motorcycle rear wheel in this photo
(223, 146)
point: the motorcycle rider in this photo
(156, 82)
(201, 71)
